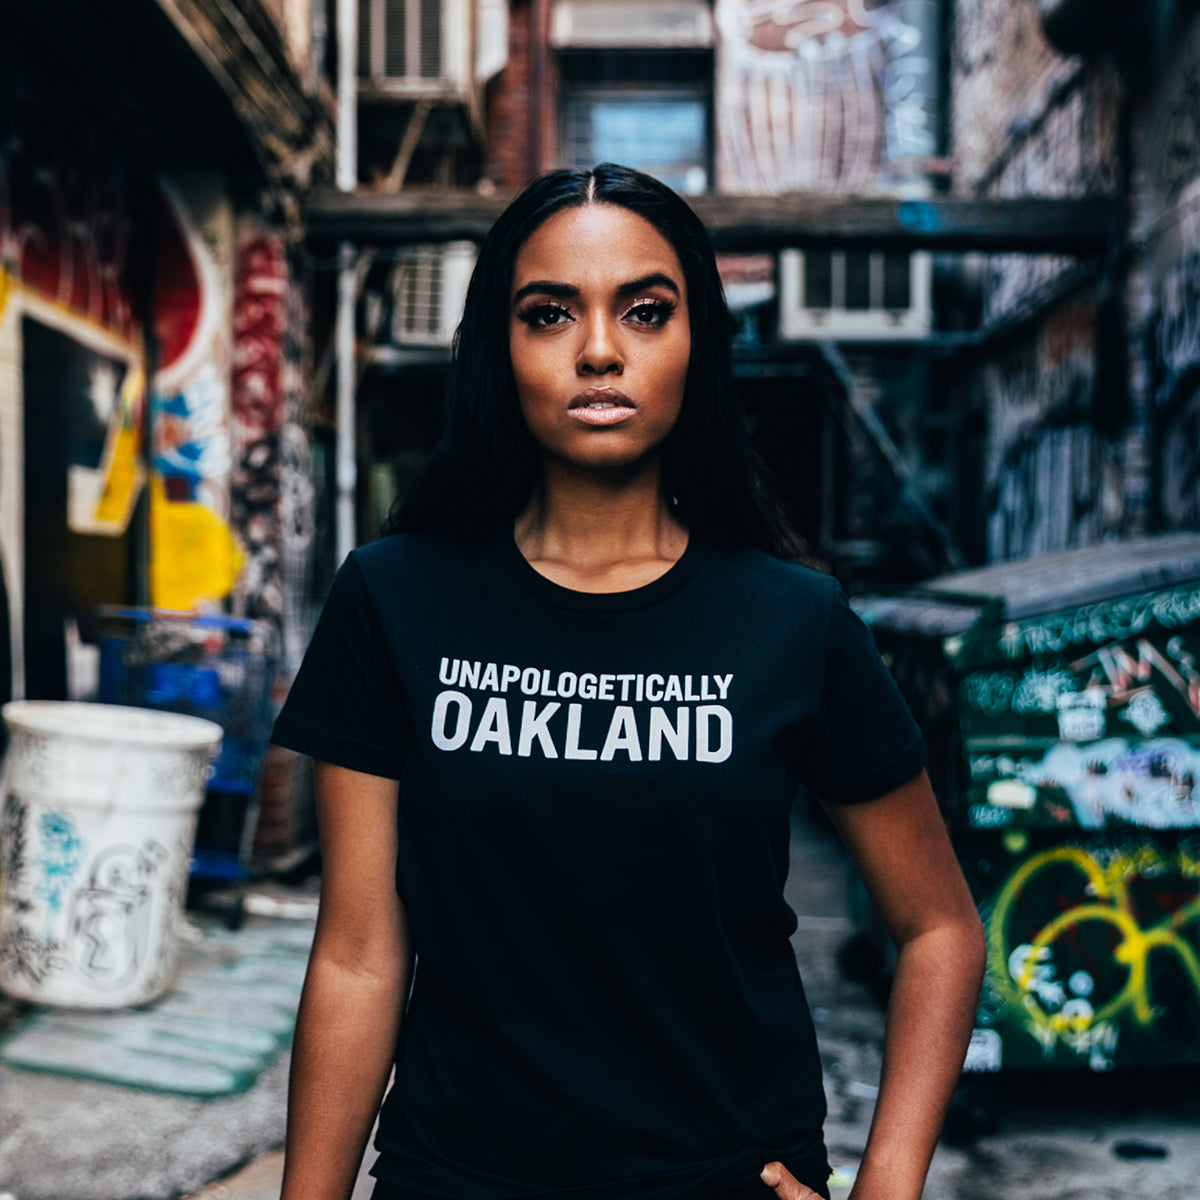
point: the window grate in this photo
(854, 294)
(400, 39)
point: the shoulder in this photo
(767, 580)
(413, 557)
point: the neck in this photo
(600, 530)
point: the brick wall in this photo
(508, 106)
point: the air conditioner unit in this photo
(854, 295)
(414, 42)
(428, 292)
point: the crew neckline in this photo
(546, 590)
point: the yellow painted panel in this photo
(194, 557)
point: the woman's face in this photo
(599, 336)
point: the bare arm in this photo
(358, 975)
(900, 847)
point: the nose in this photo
(600, 354)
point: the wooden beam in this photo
(755, 223)
(937, 223)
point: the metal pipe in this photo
(347, 461)
(539, 21)
(347, 95)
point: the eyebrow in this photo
(567, 291)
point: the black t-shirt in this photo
(593, 841)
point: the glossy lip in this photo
(591, 395)
(601, 417)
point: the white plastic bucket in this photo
(97, 816)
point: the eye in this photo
(649, 313)
(545, 316)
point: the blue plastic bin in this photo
(212, 666)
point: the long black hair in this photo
(485, 467)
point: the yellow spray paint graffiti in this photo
(1027, 963)
(194, 556)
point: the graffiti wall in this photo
(1172, 149)
(1093, 952)
(825, 95)
(194, 558)
(72, 371)
(1051, 479)
(86, 238)
(273, 509)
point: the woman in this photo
(559, 717)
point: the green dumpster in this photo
(1060, 697)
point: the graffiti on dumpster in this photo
(1089, 947)
(1150, 783)
(1110, 737)
(1110, 620)
(1120, 678)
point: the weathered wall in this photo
(1028, 121)
(1003, 75)
(817, 96)
(1100, 437)
(1166, 283)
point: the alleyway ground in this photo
(1054, 1136)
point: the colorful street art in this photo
(824, 95)
(194, 558)
(79, 227)
(1093, 956)
(1148, 783)
(260, 329)
(1091, 718)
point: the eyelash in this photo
(661, 310)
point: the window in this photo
(647, 109)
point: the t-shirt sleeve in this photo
(345, 704)
(870, 743)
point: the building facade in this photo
(1085, 391)
(923, 407)
(733, 99)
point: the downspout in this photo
(346, 533)
(539, 23)
(347, 95)
(347, 179)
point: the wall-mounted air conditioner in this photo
(854, 295)
(429, 287)
(414, 45)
